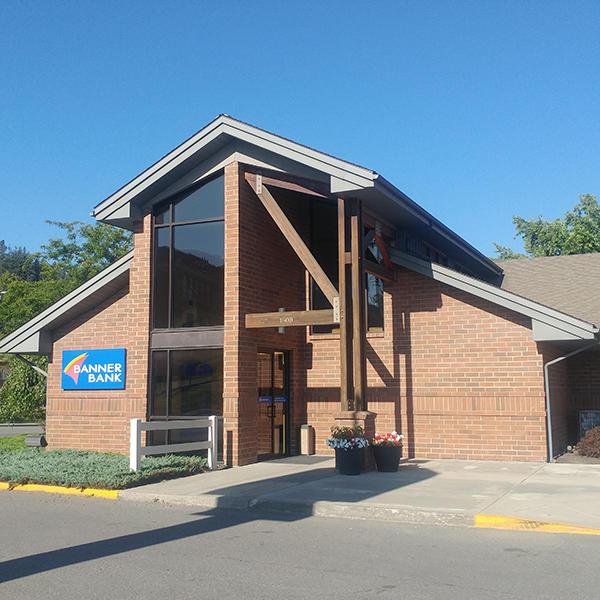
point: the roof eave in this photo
(32, 337)
(548, 324)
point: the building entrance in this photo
(273, 399)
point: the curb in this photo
(366, 512)
(343, 510)
(57, 489)
(519, 524)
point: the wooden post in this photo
(358, 308)
(346, 395)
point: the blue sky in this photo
(477, 110)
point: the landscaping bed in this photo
(75, 468)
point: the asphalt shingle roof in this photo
(570, 283)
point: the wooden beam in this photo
(384, 253)
(378, 270)
(346, 402)
(291, 318)
(358, 308)
(296, 242)
(294, 187)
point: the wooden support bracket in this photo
(294, 239)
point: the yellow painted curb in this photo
(515, 523)
(57, 489)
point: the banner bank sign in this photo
(93, 369)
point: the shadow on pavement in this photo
(210, 520)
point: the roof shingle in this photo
(568, 283)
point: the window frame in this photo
(170, 202)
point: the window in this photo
(187, 383)
(324, 246)
(189, 248)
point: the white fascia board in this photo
(550, 322)
(336, 167)
(30, 337)
(357, 177)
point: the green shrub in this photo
(76, 468)
(23, 394)
(590, 444)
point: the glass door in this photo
(273, 404)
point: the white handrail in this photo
(136, 450)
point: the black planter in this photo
(348, 462)
(387, 458)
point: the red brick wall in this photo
(458, 376)
(99, 419)
(262, 273)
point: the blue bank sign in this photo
(93, 369)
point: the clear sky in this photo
(478, 110)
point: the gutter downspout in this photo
(547, 383)
(34, 367)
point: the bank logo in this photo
(93, 369)
(74, 367)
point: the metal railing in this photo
(136, 450)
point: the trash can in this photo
(278, 439)
(307, 439)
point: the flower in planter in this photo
(347, 438)
(388, 439)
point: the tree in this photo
(19, 262)
(32, 283)
(86, 250)
(578, 232)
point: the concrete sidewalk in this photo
(448, 492)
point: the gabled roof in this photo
(214, 146)
(34, 336)
(548, 324)
(568, 283)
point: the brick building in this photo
(278, 286)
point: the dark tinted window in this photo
(374, 287)
(161, 277)
(188, 259)
(198, 252)
(207, 202)
(158, 405)
(196, 386)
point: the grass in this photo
(76, 468)
(15, 442)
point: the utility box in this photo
(307, 439)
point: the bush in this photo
(23, 394)
(77, 468)
(590, 444)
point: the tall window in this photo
(324, 246)
(189, 248)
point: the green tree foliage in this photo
(23, 393)
(25, 299)
(19, 262)
(34, 282)
(84, 251)
(578, 232)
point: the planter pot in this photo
(348, 462)
(387, 458)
